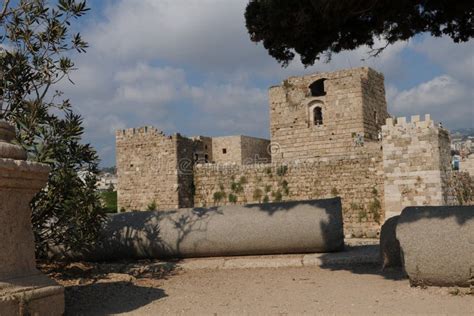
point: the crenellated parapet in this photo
(416, 161)
(142, 132)
(402, 123)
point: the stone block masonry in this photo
(416, 164)
(357, 179)
(240, 149)
(156, 169)
(153, 168)
(325, 114)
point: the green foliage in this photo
(286, 189)
(218, 196)
(35, 41)
(221, 186)
(375, 208)
(232, 198)
(282, 170)
(319, 28)
(362, 215)
(355, 206)
(277, 196)
(268, 172)
(109, 199)
(257, 194)
(236, 187)
(268, 188)
(152, 206)
(266, 199)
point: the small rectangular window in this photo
(224, 150)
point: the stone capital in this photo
(15, 171)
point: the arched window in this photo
(317, 88)
(318, 116)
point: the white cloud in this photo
(231, 108)
(145, 84)
(200, 33)
(445, 98)
(456, 59)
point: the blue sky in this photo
(188, 66)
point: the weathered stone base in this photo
(32, 295)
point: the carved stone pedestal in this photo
(23, 289)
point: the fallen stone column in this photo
(437, 244)
(23, 289)
(258, 229)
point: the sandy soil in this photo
(156, 289)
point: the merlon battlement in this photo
(415, 121)
(145, 131)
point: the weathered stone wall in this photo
(461, 188)
(357, 179)
(227, 149)
(240, 149)
(202, 149)
(147, 170)
(255, 150)
(416, 160)
(185, 163)
(353, 104)
(373, 103)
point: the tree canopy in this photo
(35, 45)
(319, 28)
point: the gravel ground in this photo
(153, 288)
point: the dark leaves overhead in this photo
(315, 28)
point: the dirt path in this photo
(358, 290)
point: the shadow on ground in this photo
(109, 298)
(363, 259)
(109, 288)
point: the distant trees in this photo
(35, 39)
(316, 28)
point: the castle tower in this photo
(416, 162)
(153, 168)
(326, 114)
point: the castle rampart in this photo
(416, 162)
(147, 168)
(356, 178)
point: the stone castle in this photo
(331, 135)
